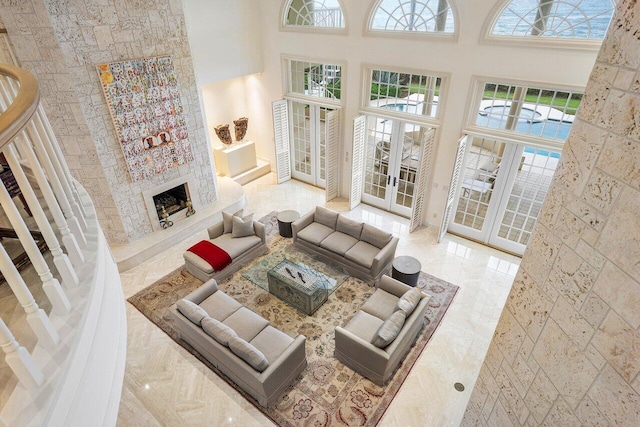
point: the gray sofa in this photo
(362, 249)
(240, 249)
(371, 343)
(283, 357)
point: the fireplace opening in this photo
(173, 200)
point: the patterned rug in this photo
(327, 392)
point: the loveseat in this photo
(377, 338)
(362, 249)
(260, 359)
(241, 246)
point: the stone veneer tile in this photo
(500, 417)
(553, 202)
(511, 400)
(567, 367)
(569, 228)
(601, 191)
(541, 396)
(589, 415)
(509, 336)
(593, 100)
(620, 292)
(493, 391)
(561, 415)
(621, 44)
(540, 255)
(494, 358)
(586, 213)
(594, 309)
(624, 79)
(621, 113)
(621, 158)
(615, 399)
(572, 323)
(572, 277)
(595, 357)
(620, 237)
(589, 254)
(619, 343)
(529, 305)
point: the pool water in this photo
(540, 152)
(547, 128)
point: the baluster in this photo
(68, 238)
(56, 185)
(36, 317)
(50, 284)
(48, 142)
(24, 146)
(63, 162)
(34, 136)
(19, 359)
(60, 259)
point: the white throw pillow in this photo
(249, 354)
(409, 300)
(218, 330)
(243, 227)
(227, 220)
(191, 311)
(389, 330)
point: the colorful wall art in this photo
(146, 109)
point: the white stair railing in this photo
(55, 375)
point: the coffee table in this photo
(299, 285)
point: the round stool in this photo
(406, 269)
(285, 218)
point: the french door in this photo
(309, 130)
(392, 163)
(500, 191)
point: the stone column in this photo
(566, 350)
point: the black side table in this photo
(406, 269)
(285, 218)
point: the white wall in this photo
(462, 59)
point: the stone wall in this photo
(61, 43)
(566, 350)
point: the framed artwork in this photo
(146, 109)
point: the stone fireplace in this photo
(171, 195)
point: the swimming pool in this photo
(540, 152)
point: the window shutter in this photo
(281, 139)
(357, 160)
(427, 146)
(332, 160)
(453, 186)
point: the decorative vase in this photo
(240, 127)
(223, 133)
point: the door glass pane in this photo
(323, 141)
(409, 162)
(529, 191)
(301, 137)
(376, 158)
(477, 179)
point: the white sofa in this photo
(285, 356)
(362, 249)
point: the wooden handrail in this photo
(18, 114)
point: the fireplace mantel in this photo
(168, 185)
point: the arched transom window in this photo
(314, 13)
(422, 16)
(566, 19)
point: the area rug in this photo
(327, 392)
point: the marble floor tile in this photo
(165, 385)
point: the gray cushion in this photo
(242, 227)
(409, 300)
(271, 342)
(315, 233)
(248, 353)
(246, 323)
(338, 242)
(236, 246)
(227, 220)
(381, 304)
(220, 305)
(349, 226)
(191, 310)
(326, 217)
(375, 236)
(389, 330)
(218, 330)
(364, 325)
(362, 253)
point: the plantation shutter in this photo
(357, 161)
(453, 186)
(281, 139)
(332, 147)
(424, 171)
